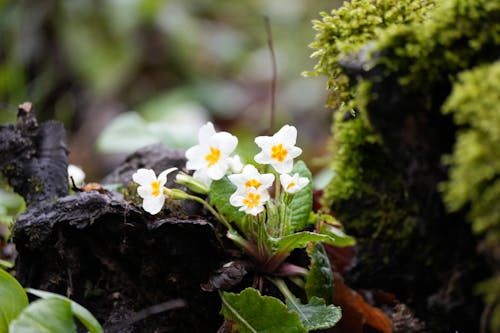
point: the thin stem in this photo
(212, 210)
(277, 188)
(282, 287)
(275, 75)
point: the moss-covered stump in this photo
(413, 164)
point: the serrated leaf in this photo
(45, 315)
(299, 240)
(220, 192)
(13, 300)
(84, 315)
(302, 201)
(315, 315)
(254, 313)
(319, 281)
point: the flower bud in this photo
(191, 183)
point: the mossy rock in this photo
(394, 75)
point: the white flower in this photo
(293, 184)
(251, 178)
(151, 188)
(77, 174)
(209, 158)
(279, 150)
(251, 201)
(235, 165)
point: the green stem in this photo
(212, 210)
(277, 188)
(282, 287)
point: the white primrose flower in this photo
(235, 165)
(293, 184)
(151, 188)
(210, 157)
(251, 201)
(279, 150)
(77, 174)
(251, 178)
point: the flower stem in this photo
(283, 288)
(212, 210)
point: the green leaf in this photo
(299, 240)
(220, 192)
(45, 315)
(333, 229)
(84, 315)
(315, 315)
(254, 313)
(13, 300)
(302, 201)
(319, 281)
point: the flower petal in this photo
(218, 170)
(144, 191)
(294, 152)
(201, 175)
(285, 167)
(267, 180)
(225, 142)
(144, 177)
(264, 142)
(206, 131)
(263, 158)
(153, 205)
(162, 177)
(195, 157)
(287, 134)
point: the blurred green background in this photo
(122, 73)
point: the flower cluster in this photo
(211, 160)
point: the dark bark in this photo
(34, 157)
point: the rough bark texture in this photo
(34, 157)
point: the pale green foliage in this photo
(475, 163)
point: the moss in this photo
(475, 164)
(36, 184)
(350, 27)
(456, 35)
(474, 176)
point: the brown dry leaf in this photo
(357, 315)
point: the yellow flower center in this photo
(253, 182)
(278, 152)
(155, 186)
(292, 184)
(213, 156)
(252, 200)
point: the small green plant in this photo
(50, 313)
(266, 225)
